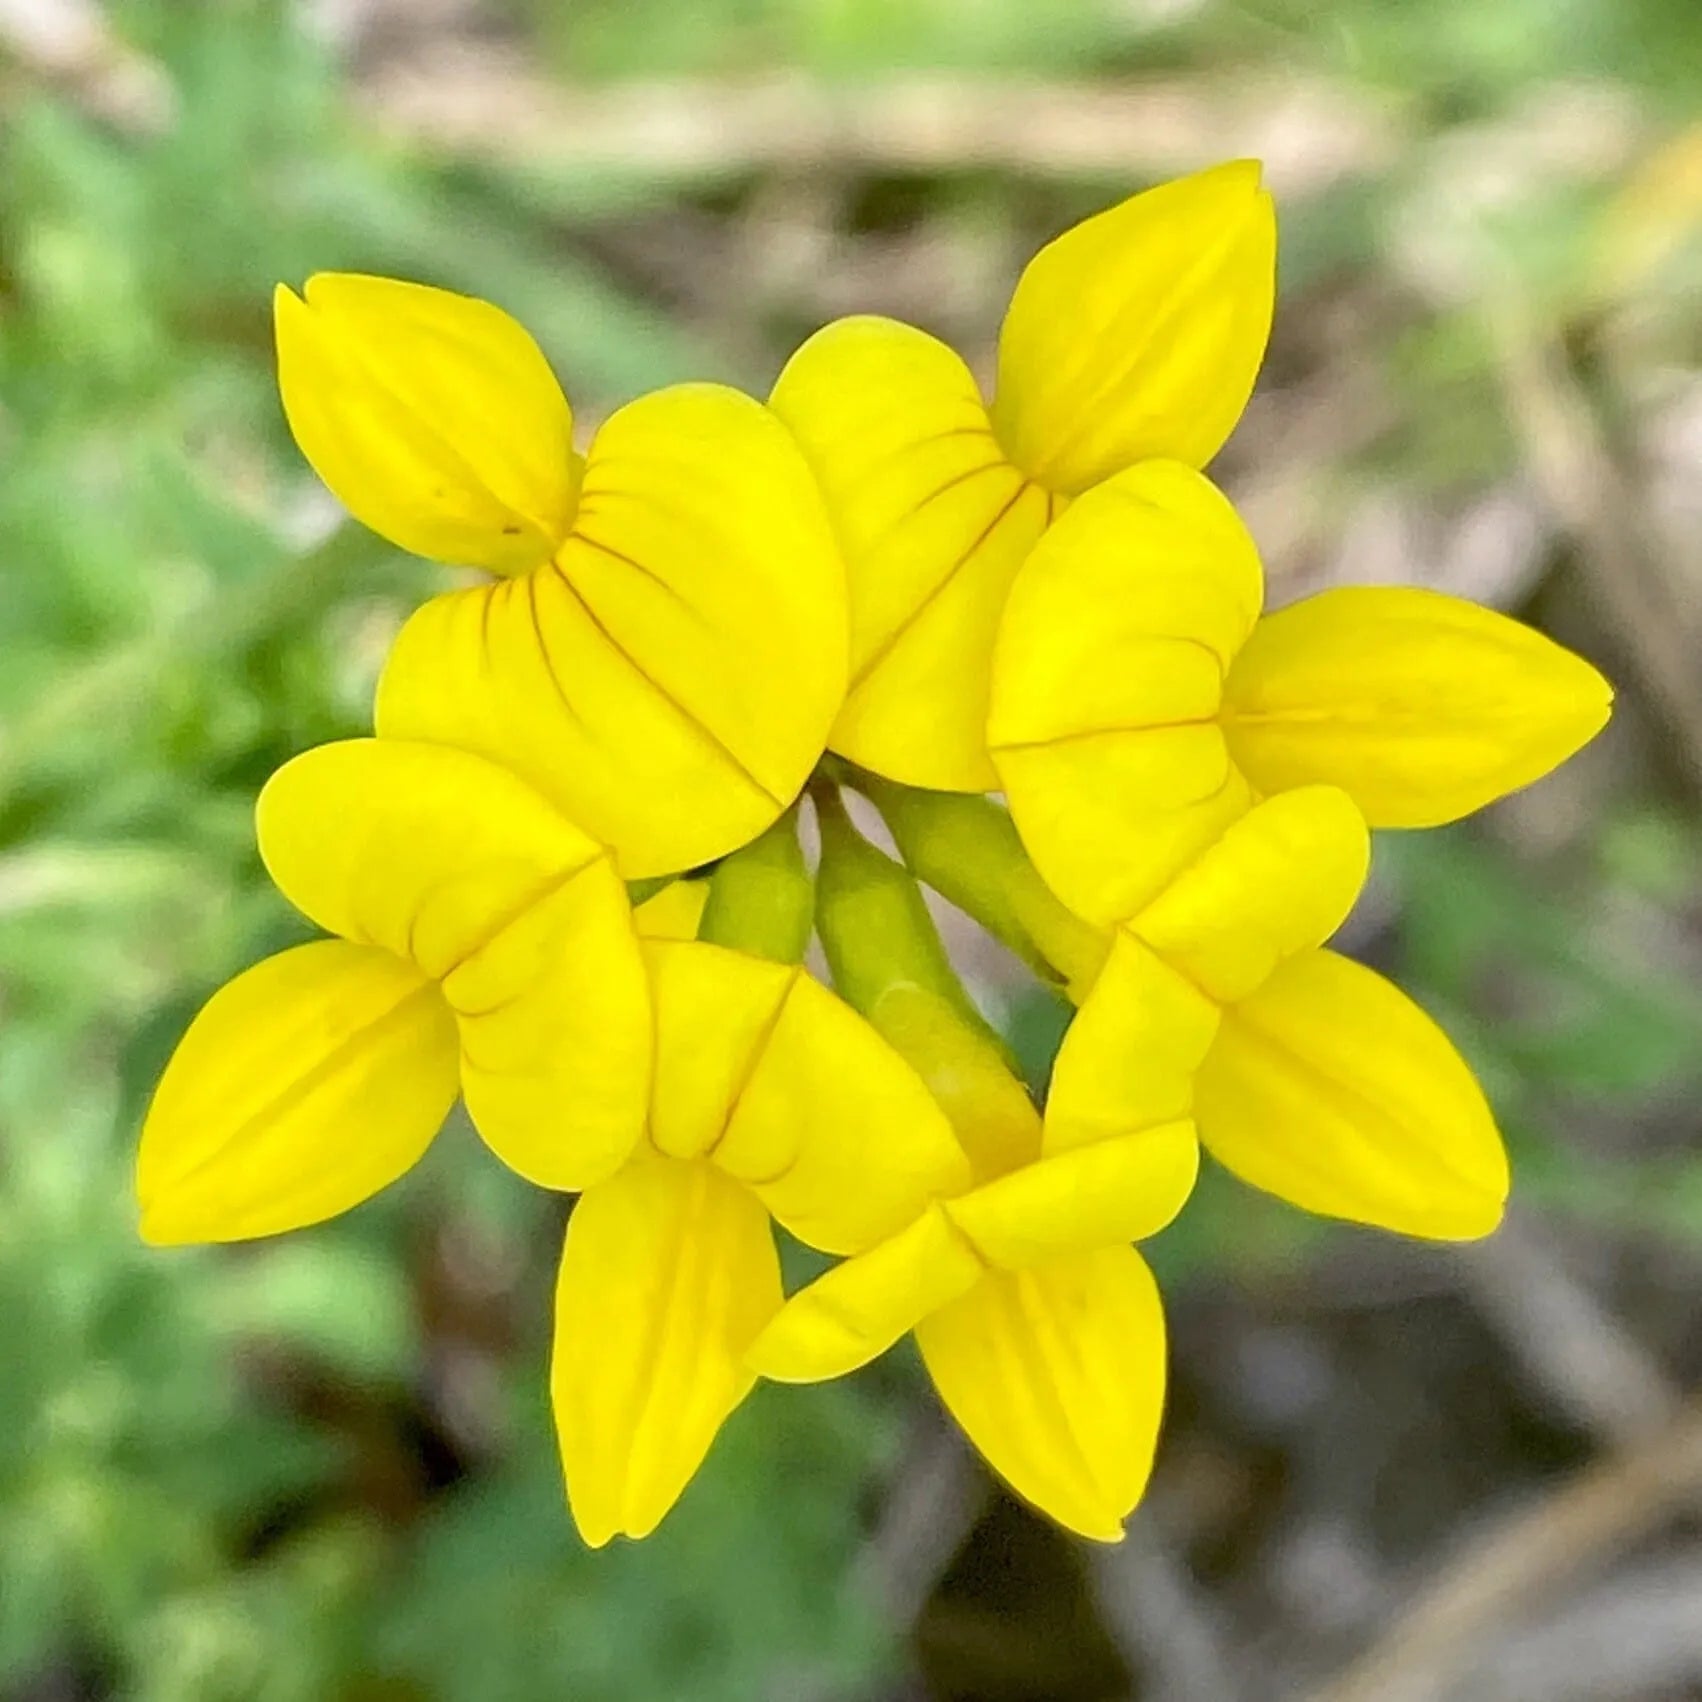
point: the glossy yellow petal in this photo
(673, 913)
(1102, 849)
(860, 1308)
(459, 866)
(1423, 706)
(791, 1092)
(1120, 1189)
(1107, 683)
(835, 1132)
(668, 1274)
(715, 1012)
(1057, 1376)
(1138, 333)
(933, 521)
(1331, 1088)
(303, 1086)
(668, 681)
(556, 1036)
(1128, 613)
(1128, 1059)
(1280, 880)
(423, 850)
(1277, 881)
(434, 418)
(888, 416)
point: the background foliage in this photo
(322, 1468)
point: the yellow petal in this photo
(1138, 333)
(860, 1308)
(1280, 880)
(668, 1274)
(556, 1036)
(834, 1131)
(423, 850)
(791, 1092)
(673, 913)
(715, 1012)
(1121, 1189)
(1331, 1088)
(1424, 707)
(303, 1086)
(933, 522)
(669, 679)
(1107, 683)
(457, 865)
(1091, 822)
(1129, 1057)
(434, 418)
(1057, 1376)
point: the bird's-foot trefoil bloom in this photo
(664, 649)
(1039, 594)
(1140, 703)
(1039, 1323)
(770, 1096)
(1136, 334)
(483, 945)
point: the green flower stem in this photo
(761, 898)
(874, 924)
(889, 962)
(966, 848)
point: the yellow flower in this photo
(1140, 703)
(1136, 334)
(1046, 597)
(667, 649)
(770, 1096)
(1039, 1324)
(483, 943)
(1307, 1074)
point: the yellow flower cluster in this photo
(881, 581)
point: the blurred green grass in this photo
(324, 1468)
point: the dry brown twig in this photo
(1586, 1521)
(1593, 1368)
(1160, 1620)
(1635, 1636)
(934, 1500)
